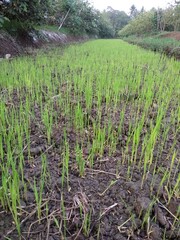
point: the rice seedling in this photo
(65, 168)
(87, 224)
(80, 161)
(102, 104)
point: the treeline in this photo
(153, 21)
(78, 16)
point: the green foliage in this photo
(157, 43)
(117, 19)
(26, 12)
(169, 18)
(3, 20)
(79, 17)
(153, 21)
(82, 18)
(52, 28)
(105, 28)
(141, 24)
(134, 12)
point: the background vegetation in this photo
(153, 21)
(147, 29)
(78, 16)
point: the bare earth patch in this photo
(174, 35)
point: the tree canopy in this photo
(25, 12)
(77, 15)
(153, 21)
(118, 19)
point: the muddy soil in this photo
(116, 204)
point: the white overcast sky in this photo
(124, 5)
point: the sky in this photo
(124, 5)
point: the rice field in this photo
(89, 144)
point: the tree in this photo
(142, 10)
(171, 18)
(142, 24)
(105, 27)
(77, 15)
(133, 12)
(118, 19)
(177, 17)
(158, 21)
(26, 13)
(82, 17)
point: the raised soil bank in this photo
(25, 41)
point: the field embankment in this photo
(168, 43)
(89, 144)
(24, 42)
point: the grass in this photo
(52, 28)
(157, 43)
(134, 90)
